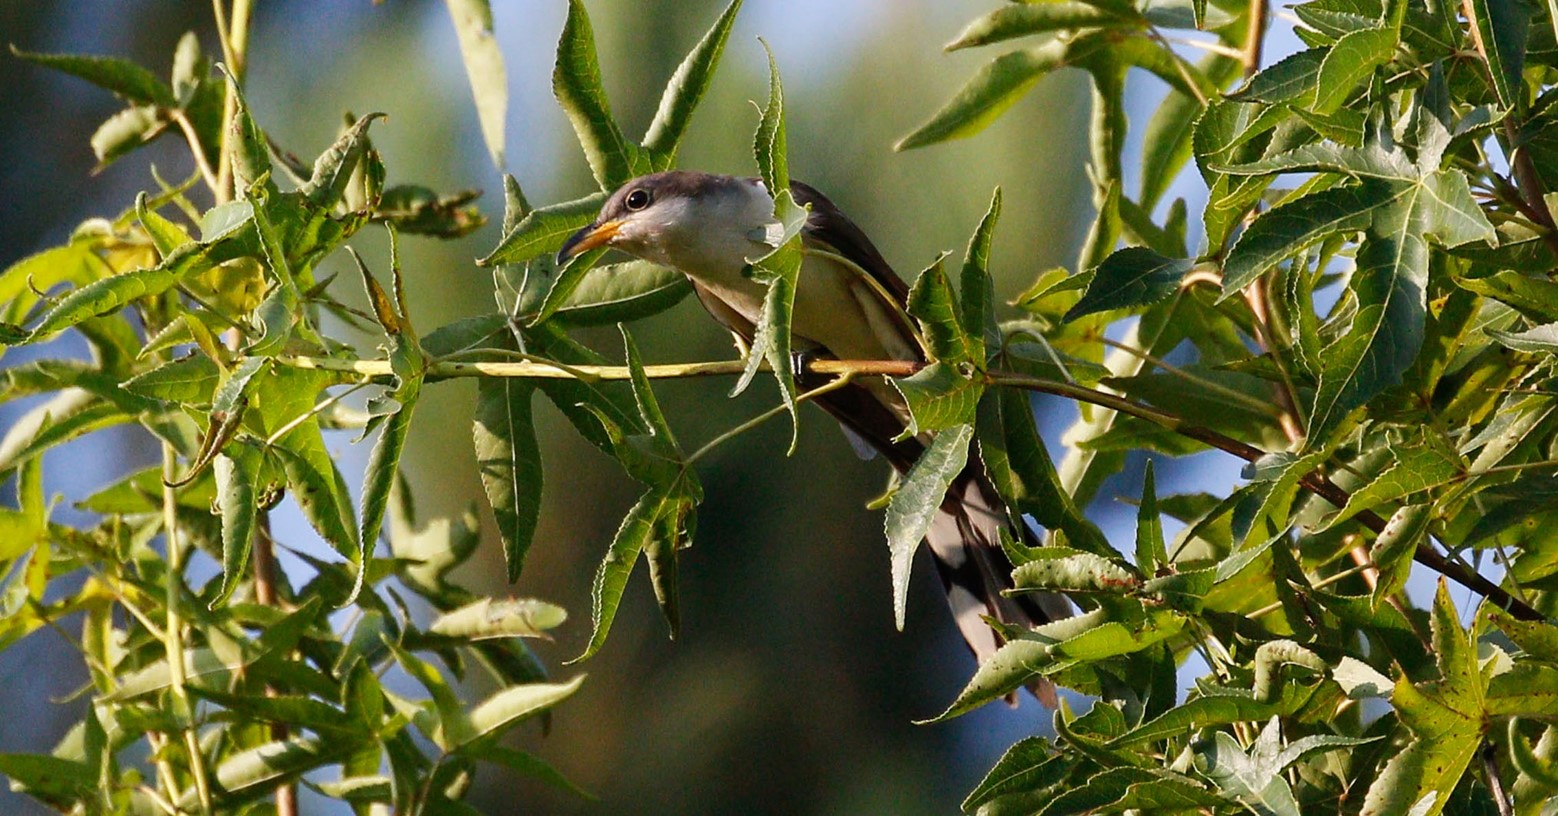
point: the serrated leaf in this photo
(499, 618)
(1500, 29)
(190, 380)
(110, 294)
(1020, 467)
(1022, 20)
(939, 397)
(992, 90)
(1151, 551)
(500, 712)
(508, 457)
(123, 77)
(319, 490)
(237, 485)
(544, 230)
(1134, 276)
(638, 528)
(1289, 78)
(1282, 232)
(1201, 712)
(484, 67)
(685, 90)
(622, 293)
(932, 302)
(916, 502)
(1348, 63)
(576, 81)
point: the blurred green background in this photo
(789, 690)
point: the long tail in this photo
(964, 536)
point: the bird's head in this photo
(673, 218)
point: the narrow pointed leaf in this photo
(993, 89)
(509, 460)
(916, 502)
(576, 81)
(685, 90)
(121, 76)
(484, 67)
(1134, 276)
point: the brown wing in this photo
(828, 224)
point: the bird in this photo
(849, 305)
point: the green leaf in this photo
(333, 169)
(1282, 232)
(1022, 20)
(915, 503)
(60, 782)
(1029, 765)
(1543, 338)
(932, 302)
(544, 230)
(378, 479)
(637, 530)
(507, 708)
(1198, 713)
(1414, 467)
(685, 90)
(508, 458)
(780, 269)
(112, 293)
(257, 771)
(1287, 79)
(938, 397)
(237, 484)
(318, 488)
(1348, 63)
(121, 76)
(1134, 276)
(499, 618)
(1445, 717)
(1500, 29)
(622, 293)
(1021, 469)
(576, 81)
(1151, 552)
(993, 89)
(75, 263)
(484, 67)
(189, 380)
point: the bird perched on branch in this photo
(849, 305)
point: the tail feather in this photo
(964, 536)
(965, 540)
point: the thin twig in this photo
(173, 633)
(1315, 483)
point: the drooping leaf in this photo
(916, 502)
(484, 67)
(509, 459)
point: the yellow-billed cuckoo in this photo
(710, 227)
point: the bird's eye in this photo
(637, 200)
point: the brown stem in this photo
(1254, 37)
(264, 557)
(1315, 483)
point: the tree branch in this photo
(1315, 483)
